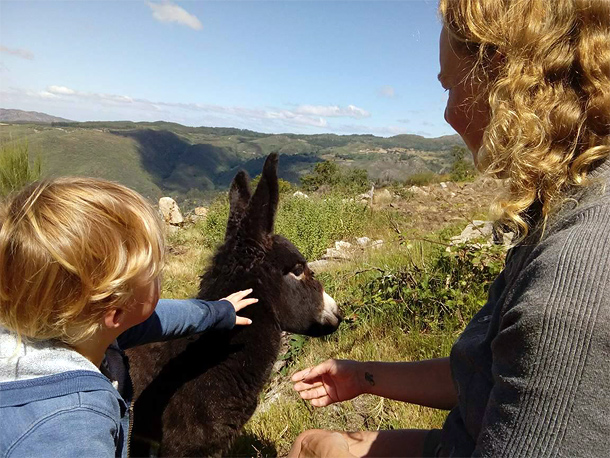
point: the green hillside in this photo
(163, 158)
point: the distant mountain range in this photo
(7, 115)
(163, 158)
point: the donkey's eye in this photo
(298, 270)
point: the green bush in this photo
(439, 294)
(15, 168)
(312, 224)
(329, 175)
(461, 170)
(284, 186)
(422, 179)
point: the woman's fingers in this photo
(301, 374)
(314, 393)
(307, 375)
(321, 402)
(302, 386)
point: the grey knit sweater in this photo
(532, 368)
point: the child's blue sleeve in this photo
(175, 318)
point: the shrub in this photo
(461, 170)
(328, 174)
(422, 179)
(15, 168)
(284, 186)
(439, 294)
(312, 224)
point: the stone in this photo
(333, 253)
(198, 214)
(301, 195)
(200, 211)
(363, 241)
(382, 196)
(320, 264)
(170, 211)
(418, 191)
(482, 230)
(341, 245)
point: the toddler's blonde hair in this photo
(70, 250)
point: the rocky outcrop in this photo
(170, 211)
(483, 233)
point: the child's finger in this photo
(241, 294)
(244, 303)
(242, 321)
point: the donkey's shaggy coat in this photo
(195, 394)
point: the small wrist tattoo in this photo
(369, 378)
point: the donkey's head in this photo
(252, 256)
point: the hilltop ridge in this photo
(12, 115)
(164, 158)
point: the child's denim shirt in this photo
(56, 403)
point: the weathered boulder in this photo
(418, 191)
(198, 214)
(170, 211)
(482, 230)
(382, 196)
(200, 211)
(363, 241)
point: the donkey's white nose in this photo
(330, 312)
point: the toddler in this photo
(80, 264)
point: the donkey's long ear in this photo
(239, 196)
(260, 215)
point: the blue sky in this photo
(271, 66)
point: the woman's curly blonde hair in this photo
(546, 67)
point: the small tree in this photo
(324, 173)
(15, 168)
(284, 186)
(461, 170)
(342, 179)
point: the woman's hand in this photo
(239, 301)
(320, 444)
(331, 381)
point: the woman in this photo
(529, 92)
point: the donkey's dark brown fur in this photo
(195, 394)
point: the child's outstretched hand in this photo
(239, 301)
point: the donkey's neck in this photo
(257, 345)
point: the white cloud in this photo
(23, 53)
(387, 91)
(333, 111)
(303, 118)
(206, 113)
(166, 11)
(383, 131)
(61, 90)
